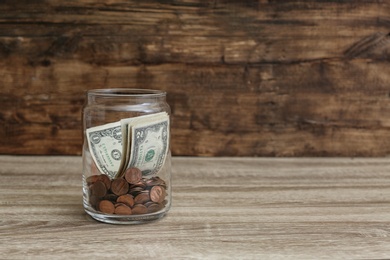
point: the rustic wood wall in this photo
(244, 78)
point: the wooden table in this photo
(237, 208)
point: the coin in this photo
(106, 206)
(126, 199)
(91, 179)
(155, 181)
(98, 189)
(154, 207)
(101, 177)
(133, 175)
(140, 184)
(122, 209)
(157, 194)
(135, 191)
(147, 204)
(144, 195)
(105, 179)
(119, 186)
(139, 209)
(93, 200)
(142, 198)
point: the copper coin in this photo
(147, 204)
(105, 179)
(141, 198)
(101, 177)
(106, 206)
(119, 186)
(92, 179)
(133, 175)
(141, 184)
(126, 199)
(122, 209)
(93, 201)
(154, 207)
(155, 181)
(135, 191)
(98, 189)
(157, 194)
(139, 209)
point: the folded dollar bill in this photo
(105, 146)
(141, 142)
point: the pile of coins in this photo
(130, 195)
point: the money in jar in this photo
(126, 155)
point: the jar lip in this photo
(126, 92)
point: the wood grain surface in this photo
(244, 78)
(223, 208)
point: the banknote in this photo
(105, 145)
(131, 142)
(149, 144)
(126, 125)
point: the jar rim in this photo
(126, 92)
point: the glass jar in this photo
(126, 155)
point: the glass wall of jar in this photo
(126, 155)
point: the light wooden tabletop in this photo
(223, 208)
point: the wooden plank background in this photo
(244, 78)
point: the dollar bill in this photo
(126, 125)
(149, 144)
(105, 145)
(132, 142)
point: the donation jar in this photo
(126, 155)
